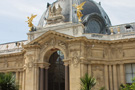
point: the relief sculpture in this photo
(75, 58)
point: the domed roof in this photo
(69, 11)
(92, 10)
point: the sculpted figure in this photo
(79, 8)
(30, 20)
(59, 10)
(50, 11)
(54, 11)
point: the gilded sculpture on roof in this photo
(79, 8)
(30, 20)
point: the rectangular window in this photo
(130, 73)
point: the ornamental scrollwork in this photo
(75, 59)
(29, 62)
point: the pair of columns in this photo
(111, 76)
(43, 78)
(19, 79)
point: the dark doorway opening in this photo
(56, 72)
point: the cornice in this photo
(78, 39)
(12, 54)
(31, 46)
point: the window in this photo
(130, 72)
(93, 26)
(129, 28)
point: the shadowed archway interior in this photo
(56, 72)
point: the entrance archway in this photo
(56, 72)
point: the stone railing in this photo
(8, 51)
(110, 37)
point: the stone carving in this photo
(55, 15)
(89, 50)
(5, 64)
(75, 30)
(75, 58)
(106, 52)
(116, 52)
(29, 62)
(59, 10)
(53, 42)
(31, 37)
(62, 44)
(72, 50)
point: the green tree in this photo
(102, 88)
(87, 82)
(128, 87)
(7, 82)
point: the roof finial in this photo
(112, 31)
(48, 4)
(118, 29)
(100, 3)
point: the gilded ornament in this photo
(79, 8)
(30, 20)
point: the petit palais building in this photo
(60, 50)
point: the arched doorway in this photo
(56, 72)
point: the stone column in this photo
(66, 77)
(46, 78)
(23, 79)
(41, 78)
(115, 82)
(84, 69)
(122, 79)
(110, 77)
(17, 77)
(106, 77)
(20, 81)
(89, 69)
(36, 77)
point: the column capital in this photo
(43, 64)
(66, 62)
(46, 67)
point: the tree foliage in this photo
(87, 82)
(7, 82)
(128, 87)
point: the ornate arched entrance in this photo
(56, 72)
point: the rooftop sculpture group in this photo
(55, 15)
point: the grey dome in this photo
(69, 12)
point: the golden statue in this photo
(79, 8)
(30, 20)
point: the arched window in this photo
(93, 26)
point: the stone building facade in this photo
(62, 50)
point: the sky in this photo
(13, 14)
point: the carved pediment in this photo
(48, 39)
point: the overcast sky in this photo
(13, 15)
